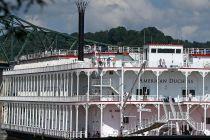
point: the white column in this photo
(77, 107)
(18, 85)
(122, 100)
(46, 85)
(158, 112)
(36, 120)
(45, 110)
(43, 84)
(61, 84)
(40, 84)
(12, 114)
(157, 74)
(30, 118)
(33, 117)
(203, 76)
(22, 113)
(101, 81)
(71, 83)
(70, 127)
(101, 120)
(186, 85)
(57, 91)
(19, 105)
(50, 85)
(14, 84)
(43, 80)
(86, 120)
(63, 109)
(49, 115)
(10, 86)
(34, 87)
(53, 84)
(53, 114)
(205, 108)
(24, 83)
(56, 117)
(64, 84)
(31, 85)
(140, 115)
(39, 121)
(66, 120)
(3, 88)
(25, 120)
(15, 115)
(88, 89)
(188, 111)
(43, 117)
(77, 84)
(6, 86)
(67, 83)
(27, 85)
(9, 114)
(37, 85)
(59, 117)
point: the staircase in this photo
(146, 126)
(171, 115)
(106, 83)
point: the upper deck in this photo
(158, 56)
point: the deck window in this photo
(178, 50)
(153, 50)
(111, 72)
(192, 92)
(126, 120)
(166, 50)
(207, 120)
(144, 91)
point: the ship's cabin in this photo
(164, 56)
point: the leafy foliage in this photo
(122, 36)
(6, 7)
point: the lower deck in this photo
(103, 120)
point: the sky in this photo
(181, 19)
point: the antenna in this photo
(81, 5)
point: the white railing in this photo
(80, 98)
(46, 132)
(194, 98)
(177, 116)
(124, 49)
(75, 65)
(145, 98)
(44, 98)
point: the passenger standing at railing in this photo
(160, 63)
(100, 62)
(108, 61)
(190, 96)
(114, 61)
(93, 61)
(164, 64)
(197, 51)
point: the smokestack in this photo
(81, 5)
